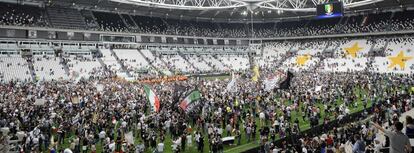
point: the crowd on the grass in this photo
(104, 112)
(22, 15)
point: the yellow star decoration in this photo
(400, 60)
(301, 60)
(353, 50)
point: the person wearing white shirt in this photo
(304, 150)
(67, 150)
(197, 137)
(220, 131)
(112, 147)
(189, 140)
(160, 147)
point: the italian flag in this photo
(152, 98)
(190, 99)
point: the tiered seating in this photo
(66, 18)
(110, 22)
(199, 63)
(24, 15)
(90, 20)
(48, 68)
(300, 62)
(379, 45)
(236, 62)
(344, 65)
(176, 62)
(281, 49)
(273, 52)
(128, 21)
(312, 47)
(361, 46)
(402, 20)
(14, 67)
(82, 65)
(216, 64)
(351, 55)
(306, 54)
(399, 44)
(149, 24)
(400, 48)
(156, 61)
(21, 15)
(110, 60)
(131, 58)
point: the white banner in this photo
(273, 80)
(232, 86)
(129, 138)
(40, 102)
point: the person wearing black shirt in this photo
(201, 144)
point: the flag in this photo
(152, 98)
(318, 88)
(99, 87)
(75, 100)
(273, 80)
(231, 87)
(286, 83)
(178, 91)
(256, 74)
(129, 138)
(94, 117)
(76, 119)
(40, 102)
(189, 100)
(270, 83)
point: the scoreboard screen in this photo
(329, 10)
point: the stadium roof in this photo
(227, 10)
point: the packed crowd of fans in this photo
(98, 112)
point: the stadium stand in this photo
(14, 67)
(132, 59)
(110, 61)
(48, 68)
(65, 18)
(83, 19)
(82, 65)
(22, 15)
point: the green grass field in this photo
(304, 125)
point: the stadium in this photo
(206, 76)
